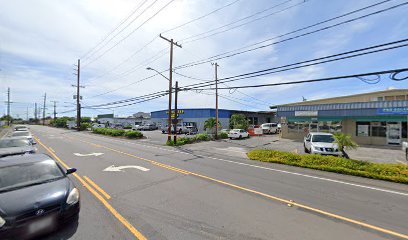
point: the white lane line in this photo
(273, 169)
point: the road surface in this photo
(133, 189)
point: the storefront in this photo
(376, 123)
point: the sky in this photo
(116, 40)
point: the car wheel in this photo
(306, 151)
(240, 136)
(230, 138)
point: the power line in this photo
(392, 72)
(194, 37)
(128, 35)
(85, 56)
(293, 66)
(232, 53)
(201, 17)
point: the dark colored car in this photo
(36, 196)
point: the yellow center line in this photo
(316, 210)
(115, 213)
(100, 190)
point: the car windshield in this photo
(235, 130)
(8, 143)
(23, 175)
(323, 138)
(20, 134)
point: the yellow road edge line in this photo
(99, 189)
(115, 213)
(316, 210)
(52, 150)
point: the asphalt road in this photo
(208, 193)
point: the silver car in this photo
(16, 146)
(25, 134)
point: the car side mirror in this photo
(71, 170)
(307, 140)
(34, 143)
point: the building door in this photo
(394, 132)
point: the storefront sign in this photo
(178, 111)
(306, 113)
(393, 111)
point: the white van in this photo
(268, 128)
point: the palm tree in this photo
(211, 124)
(344, 141)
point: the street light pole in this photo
(175, 113)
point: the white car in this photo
(238, 133)
(268, 128)
(405, 149)
(321, 143)
(23, 134)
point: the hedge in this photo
(383, 171)
(197, 138)
(118, 132)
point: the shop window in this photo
(363, 129)
(378, 129)
(389, 98)
(400, 97)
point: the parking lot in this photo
(379, 154)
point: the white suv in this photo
(321, 143)
(269, 128)
(405, 149)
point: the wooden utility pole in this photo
(175, 112)
(45, 99)
(171, 41)
(55, 109)
(35, 112)
(8, 106)
(78, 97)
(216, 100)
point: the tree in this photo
(85, 119)
(344, 141)
(211, 124)
(239, 121)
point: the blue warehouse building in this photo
(197, 116)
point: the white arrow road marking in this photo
(86, 155)
(119, 169)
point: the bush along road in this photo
(118, 133)
(383, 171)
(197, 138)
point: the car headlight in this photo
(2, 222)
(73, 197)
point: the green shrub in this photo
(383, 171)
(203, 137)
(223, 135)
(117, 132)
(109, 131)
(133, 134)
(127, 127)
(85, 126)
(170, 143)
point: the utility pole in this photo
(45, 102)
(171, 41)
(55, 109)
(27, 114)
(216, 99)
(78, 97)
(35, 112)
(175, 113)
(8, 106)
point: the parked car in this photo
(268, 128)
(26, 134)
(321, 143)
(20, 128)
(16, 146)
(190, 130)
(36, 196)
(238, 133)
(405, 149)
(98, 125)
(149, 127)
(179, 129)
(225, 131)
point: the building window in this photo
(400, 97)
(404, 130)
(389, 98)
(363, 129)
(378, 129)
